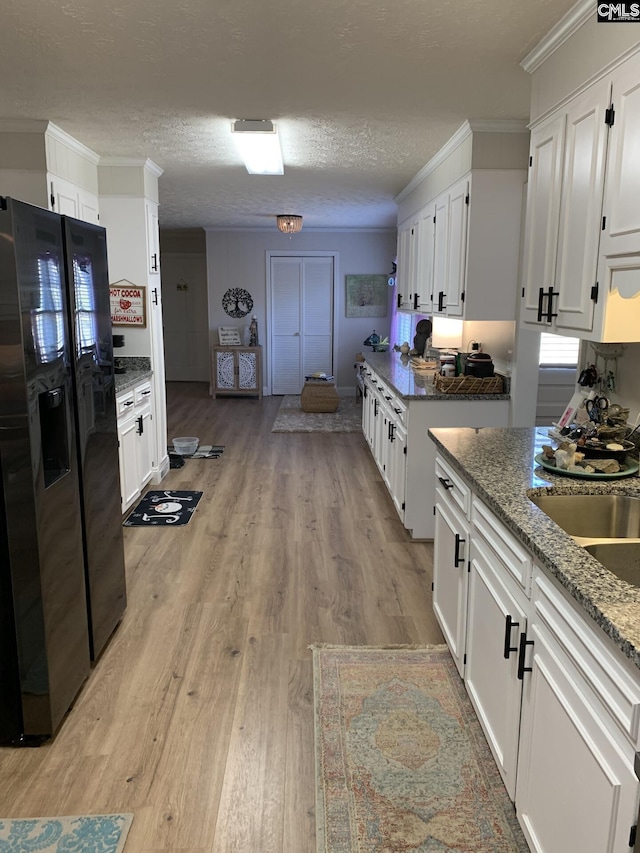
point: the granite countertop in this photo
(124, 381)
(395, 369)
(499, 466)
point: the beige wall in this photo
(238, 259)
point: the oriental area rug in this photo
(401, 761)
(291, 418)
(78, 834)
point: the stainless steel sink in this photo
(593, 516)
(621, 558)
(607, 526)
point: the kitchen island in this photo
(546, 639)
(399, 405)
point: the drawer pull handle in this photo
(521, 656)
(127, 404)
(508, 648)
(386, 398)
(398, 411)
(457, 559)
(445, 482)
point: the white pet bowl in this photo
(186, 446)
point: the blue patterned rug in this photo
(77, 834)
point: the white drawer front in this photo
(588, 650)
(142, 393)
(453, 486)
(124, 404)
(514, 556)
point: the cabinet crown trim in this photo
(558, 35)
(467, 129)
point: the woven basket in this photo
(469, 384)
(319, 397)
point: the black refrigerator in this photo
(62, 589)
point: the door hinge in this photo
(432, 586)
(632, 835)
(404, 450)
(610, 116)
(464, 659)
(466, 199)
(434, 509)
(403, 504)
(462, 296)
(531, 161)
(523, 292)
(604, 222)
(594, 292)
(469, 567)
(434, 220)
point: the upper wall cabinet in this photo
(458, 256)
(582, 214)
(43, 165)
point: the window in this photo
(558, 351)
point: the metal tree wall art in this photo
(237, 302)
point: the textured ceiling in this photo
(364, 92)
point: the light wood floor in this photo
(199, 716)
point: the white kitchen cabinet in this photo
(496, 621)
(563, 214)
(153, 237)
(582, 234)
(450, 555)
(425, 249)
(621, 234)
(69, 199)
(559, 704)
(405, 270)
(576, 788)
(136, 441)
(450, 240)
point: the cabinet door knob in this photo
(508, 648)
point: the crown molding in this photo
(558, 34)
(132, 163)
(65, 139)
(467, 129)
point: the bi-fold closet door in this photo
(301, 333)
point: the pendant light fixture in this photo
(289, 223)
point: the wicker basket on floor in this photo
(319, 396)
(469, 384)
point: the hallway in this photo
(199, 716)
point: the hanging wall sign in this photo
(127, 304)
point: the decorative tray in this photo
(631, 467)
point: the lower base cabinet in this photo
(576, 787)
(558, 703)
(136, 442)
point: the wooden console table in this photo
(236, 371)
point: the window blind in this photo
(558, 351)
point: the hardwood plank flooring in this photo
(198, 717)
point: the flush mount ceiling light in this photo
(259, 146)
(289, 223)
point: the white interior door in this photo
(301, 320)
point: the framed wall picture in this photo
(128, 304)
(229, 336)
(367, 295)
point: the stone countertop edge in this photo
(498, 464)
(410, 384)
(124, 381)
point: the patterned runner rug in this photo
(78, 834)
(401, 761)
(291, 418)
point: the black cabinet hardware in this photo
(508, 648)
(457, 559)
(521, 656)
(445, 482)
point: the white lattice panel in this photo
(225, 370)
(247, 370)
